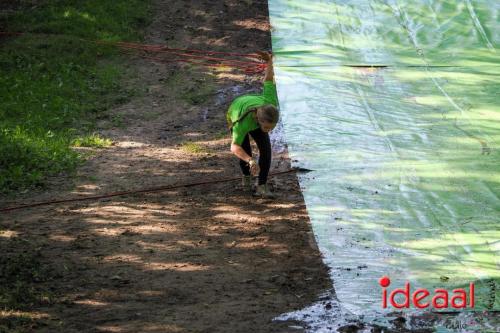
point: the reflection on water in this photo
(406, 154)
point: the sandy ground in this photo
(199, 259)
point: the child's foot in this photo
(246, 182)
(264, 192)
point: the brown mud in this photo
(200, 259)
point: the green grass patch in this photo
(195, 148)
(118, 20)
(53, 88)
(93, 140)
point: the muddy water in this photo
(395, 106)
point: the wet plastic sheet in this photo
(406, 154)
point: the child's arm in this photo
(242, 155)
(268, 58)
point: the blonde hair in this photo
(268, 114)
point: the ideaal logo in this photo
(421, 298)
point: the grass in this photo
(96, 19)
(22, 276)
(93, 140)
(195, 148)
(54, 86)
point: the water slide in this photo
(395, 105)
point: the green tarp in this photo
(396, 106)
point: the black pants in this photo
(264, 144)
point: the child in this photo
(255, 115)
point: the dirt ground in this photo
(199, 259)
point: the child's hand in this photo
(266, 56)
(254, 167)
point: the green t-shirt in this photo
(242, 103)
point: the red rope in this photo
(203, 58)
(195, 57)
(147, 190)
(162, 47)
(249, 69)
